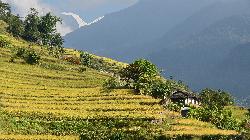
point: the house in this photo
(185, 98)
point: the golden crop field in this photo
(34, 100)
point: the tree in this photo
(16, 27)
(48, 32)
(161, 89)
(140, 75)
(4, 11)
(138, 69)
(215, 98)
(31, 22)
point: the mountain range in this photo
(204, 43)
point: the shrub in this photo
(221, 118)
(86, 59)
(55, 51)
(215, 98)
(174, 107)
(112, 83)
(21, 52)
(161, 89)
(32, 58)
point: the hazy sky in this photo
(87, 9)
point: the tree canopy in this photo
(4, 11)
(215, 98)
(34, 28)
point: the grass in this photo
(238, 112)
(196, 128)
(54, 100)
(37, 137)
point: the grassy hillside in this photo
(54, 100)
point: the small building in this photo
(185, 98)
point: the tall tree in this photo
(4, 11)
(215, 98)
(31, 22)
(48, 32)
(16, 26)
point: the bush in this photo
(86, 59)
(221, 118)
(161, 89)
(30, 56)
(174, 107)
(216, 98)
(112, 83)
(21, 52)
(55, 51)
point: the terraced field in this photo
(37, 102)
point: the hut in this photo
(185, 98)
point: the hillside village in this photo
(51, 92)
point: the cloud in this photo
(96, 20)
(22, 7)
(78, 19)
(63, 28)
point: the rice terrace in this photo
(51, 92)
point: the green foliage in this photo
(86, 59)
(113, 83)
(98, 63)
(140, 75)
(16, 26)
(48, 32)
(30, 56)
(21, 52)
(4, 11)
(161, 89)
(55, 51)
(31, 22)
(140, 70)
(212, 98)
(174, 107)
(36, 29)
(221, 118)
